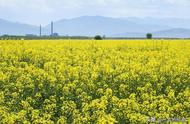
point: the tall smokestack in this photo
(51, 28)
(40, 31)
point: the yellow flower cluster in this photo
(88, 81)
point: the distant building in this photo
(54, 35)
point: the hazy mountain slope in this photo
(171, 22)
(173, 33)
(14, 28)
(170, 33)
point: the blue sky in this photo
(43, 11)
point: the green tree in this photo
(149, 36)
(98, 37)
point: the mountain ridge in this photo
(109, 26)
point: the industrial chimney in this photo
(40, 31)
(51, 28)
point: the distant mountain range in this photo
(113, 27)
